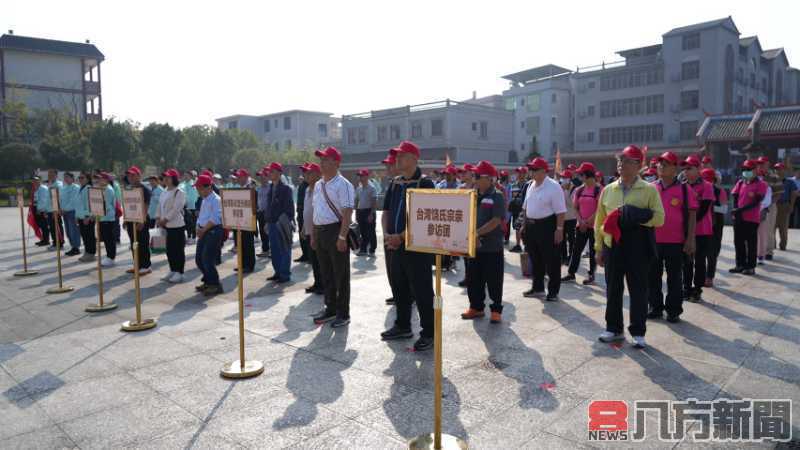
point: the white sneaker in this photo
(639, 342)
(191, 241)
(167, 276)
(176, 278)
(607, 336)
(107, 262)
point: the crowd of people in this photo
(665, 215)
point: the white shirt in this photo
(767, 200)
(571, 213)
(544, 200)
(341, 194)
(170, 207)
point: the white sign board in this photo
(55, 202)
(441, 221)
(133, 205)
(97, 202)
(239, 209)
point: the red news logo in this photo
(608, 420)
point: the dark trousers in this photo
(312, 257)
(545, 254)
(305, 243)
(248, 250)
(626, 264)
(369, 240)
(108, 235)
(669, 257)
(262, 231)
(581, 239)
(387, 258)
(190, 217)
(41, 221)
(745, 240)
(51, 226)
(87, 235)
(715, 247)
(412, 279)
(694, 266)
(143, 237)
(176, 244)
(281, 255)
(486, 272)
(568, 244)
(206, 255)
(334, 266)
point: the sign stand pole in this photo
(61, 288)
(99, 249)
(139, 325)
(24, 272)
(241, 368)
(437, 440)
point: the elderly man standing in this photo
(312, 174)
(544, 207)
(248, 237)
(142, 230)
(280, 220)
(209, 237)
(69, 198)
(366, 203)
(785, 205)
(628, 211)
(262, 195)
(334, 199)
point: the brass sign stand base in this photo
(25, 273)
(102, 306)
(426, 442)
(60, 289)
(146, 324)
(139, 324)
(236, 370)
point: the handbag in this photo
(353, 237)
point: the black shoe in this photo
(749, 272)
(273, 278)
(262, 255)
(533, 293)
(340, 323)
(423, 344)
(655, 315)
(463, 283)
(325, 316)
(673, 319)
(736, 270)
(516, 249)
(282, 280)
(768, 257)
(694, 298)
(319, 291)
(301, 259)
(395, 333)
(390, 301)
(212, 290)
(551, 298)
(73, 252)
(312, 289)
(589, 280)
(200, 287)
(569, 277)
(42, 244)
(244, 272)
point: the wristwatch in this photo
(559, 228)
(342, 238)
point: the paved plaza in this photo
(71, 379)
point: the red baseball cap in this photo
(669, 158)
(133, 170)
(538, 164)
(709, 175)
(485, 168)
(598, 174)
(311, 167)
(762, 160)
(171, 173)
(521, 169)
(363, 173)
(106, 176)
(390, 160)
(241, 173)
(749, 164)
(691, 161)
(275, 166)
(450, 170)
(469, 167)
(207, 172)
(779, 166)
(203, 180)
(707, 159)
(408, 147)
(503, 173)
(586, 167)
(566, 174)
(571, 167)
(633, 152)
(330, 152)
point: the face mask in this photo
(650, 178)
(747, 174)
(565, 181)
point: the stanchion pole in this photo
(437, 440)
(24, 272)
(241, 368)
(99, 251)
(139, 324)
(61, 288)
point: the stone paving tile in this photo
(350, 435)
(194, 437)
(45, 438)
(20, 415)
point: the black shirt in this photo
(395, 201)
(490, 205)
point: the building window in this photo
(323, 130)
(522, 101)
(591, 85)
(533, 102)
(532, 125)
(474, 126)
(554, 146)
(522, 147)
(691, 41)
(277, 146)
(553, 123)
(690, 100)
(416, 129)
(636, 106)
(590, 136)
(437, 128)
(351, 136)
(688, 130)
(764, 84)
(634, 78)
(276, 124)
(636, 134)
(362, 135)
(484, 130)
(511, 103)
(287, 123)
(522, 124)
(394, 132)
(590, 111)
(288, 144)
(554, 98)
(266, 126)
(232, 125)
(690, 70)
(739, 103)
(382, 133)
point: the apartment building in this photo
(289, 129)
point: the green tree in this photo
(18, 123)
(113, 142)
(243, 138)
(217, 151)
(193, 140)
(64, 139)
(160, 144)
(251, 159)
(19, 161)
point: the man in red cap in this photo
(334, 199)
(209, 237)
(262, 200)
(243, 181)
(544, 208)
(766, 229)
(720, 209)
(305, 245)
(450, 181)
(694, 266)
(640, 211)
(366, 207)
(141, 229)
(411, 271)
(390, 162)
(570, 218)
(486, 269)
(675, 240)
(516, 197)
(467, 177)
(785, 205)
(584, 200)
(280, 223)
(311, 175)
(748, 193)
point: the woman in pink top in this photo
(694, 266)
(584, 200)
(720, 208)
(747, 196)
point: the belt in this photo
(328, 225)
(543, 219)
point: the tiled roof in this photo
(772, 53)
(31, 44)
(780, 121)
(728, 129)
(537, 73)
(746, 41)
(726, 22)
(773, 123)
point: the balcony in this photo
(93, 117)
(92, 87)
